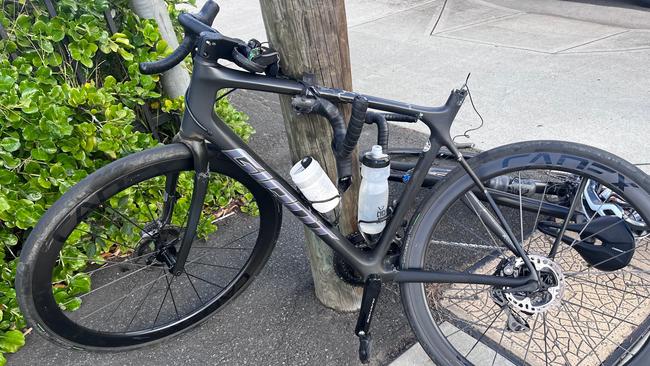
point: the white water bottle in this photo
(373, 192)
(315, 185)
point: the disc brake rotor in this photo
(548, 296)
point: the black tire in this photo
(487, 165)
(41, 250)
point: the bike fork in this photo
(201, 178)
(371, 291)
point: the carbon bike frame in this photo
(200, 123)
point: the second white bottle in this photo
(373, 192)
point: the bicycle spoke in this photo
(193, 287)
(130, 221)
(118, 299)
(110, 316)
(146, 295)
(204, 280)
(521, 213)
(475, 235)
(611, 287)
(530, 338)
(539, 209)
(146, 205)
(161, 303)
(216, 265)
(113, 264)
(583, 229)
(576, 325)
(565, 224)
(221, 248)
(496, 244)
(588, 272)
(484, 332)
(470, 324)
(110, 283)
(171, 294)
(609, 259)
(545, 339)
(104, 238)
(598, 312)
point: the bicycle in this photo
(549, 239)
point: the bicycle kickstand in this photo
(371, 291)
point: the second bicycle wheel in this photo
(94, 273)
(593, 307)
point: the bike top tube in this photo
(221, 77)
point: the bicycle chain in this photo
(467, 245)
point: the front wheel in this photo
(94, 273)
(593, 307)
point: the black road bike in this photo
(532, 253)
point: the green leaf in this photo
(24, 21)
(6, 83)
(26, 217)
(57, 171)
(125, 54)
(31, 133)
(109, 81)
(46, 46)
(33, 195)
(10, 162)
(4, 204)
(10, 144)
(80, 284)
(86, 61)
(56, 29)
(6, 176)
(7, 238)
(54, 59)
(72, 304)
(40, 154)
(11, 341)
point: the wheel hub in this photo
(157, 245)
(551, 290)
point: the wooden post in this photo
(312, 37)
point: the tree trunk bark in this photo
(176, 80)
(311, 37)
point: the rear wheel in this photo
(94, 273)
(594, 305)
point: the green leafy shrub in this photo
(54, 130)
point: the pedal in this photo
(365, 348)
(371, 291)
